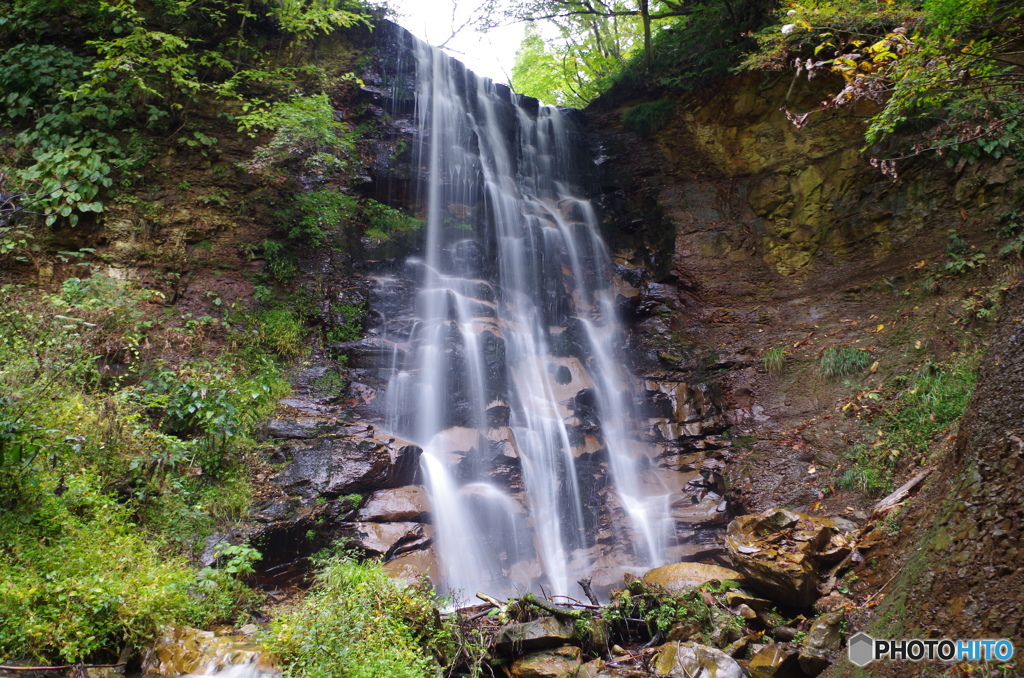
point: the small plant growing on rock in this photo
(774, 360)
(647, 118)
(843, 361)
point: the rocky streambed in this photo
(783, 609)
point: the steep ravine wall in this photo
(754, 234)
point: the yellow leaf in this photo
(880, 328)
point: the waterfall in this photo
(511, 375)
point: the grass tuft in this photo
(843, 361)
(774, 360)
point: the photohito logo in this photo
(863, 649)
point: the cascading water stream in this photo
(515, 385)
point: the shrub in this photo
(843, 361)
(278, 331)
(84, 580)
(305, 131)
(216, 406)
(384, 223)
(356, 622)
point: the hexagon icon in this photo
(861, 649)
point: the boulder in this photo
(409, 503)
(690, 660)
(780, 551)
(334, 465)
(562, 662)
(385, 538)
(822, 642)
(774, 662)
(678, 576)
(534, 635)
(739, 597)
(412, 567)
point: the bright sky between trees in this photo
(490, 54)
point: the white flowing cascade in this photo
(515, 339)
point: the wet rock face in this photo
(401, 503)
(822, 644)
(335, 465)
(774, 662)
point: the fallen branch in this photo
(588, 591)
(572, 602)
(890, 502)
(531, 599)
(488, 599)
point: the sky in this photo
(490, 54)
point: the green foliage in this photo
(538, 73)
(937, 71)
(843, 361)
(305, 132)
(278, 331)
(80, 580)
(923, 406)
(356, 622)
(321, 213)
(959, 256)
(215, 406)
(75, 76)
(647, 118)
(65, 149)
(658, 611)
(346, 325)
(1011, 232)
(574, 67)
(384, 222)
(706, 41)
(774, 360)
(113, 466)
(870, 473)
(281, 263)
(929, 403)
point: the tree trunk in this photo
(645, 15)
